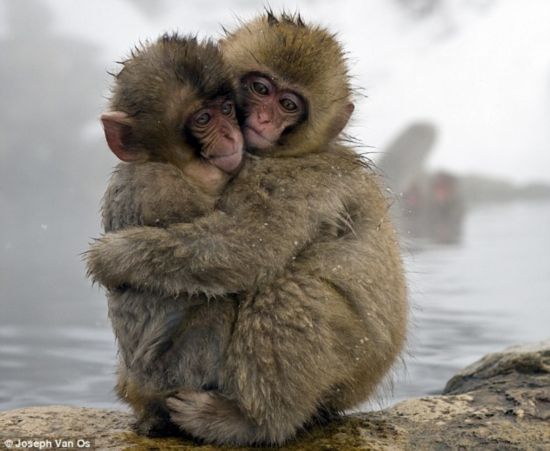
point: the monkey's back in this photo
(165, 343)
(349, 277)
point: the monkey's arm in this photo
(217, 254)
(276, 208)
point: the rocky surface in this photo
(501, 402)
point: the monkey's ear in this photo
(342, 119)
(118, 128)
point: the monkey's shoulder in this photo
(153, 194)
(339, 168)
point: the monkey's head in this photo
(294, 85)
(173, 101)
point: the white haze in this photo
(478, 70)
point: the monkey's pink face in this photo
(216, 128)
(268, 111)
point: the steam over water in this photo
(479, 296)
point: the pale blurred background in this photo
(453, 104)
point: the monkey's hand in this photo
(140, 257)
(108, 261)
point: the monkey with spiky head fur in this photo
(302, 234)
(173, 123)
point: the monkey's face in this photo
(269, 111)
(215, 128)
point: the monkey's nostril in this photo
(226, 133)
(263, 117)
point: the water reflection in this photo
(45, 365)
(488, 293)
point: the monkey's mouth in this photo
(255, 139)
(227, 163)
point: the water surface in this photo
(489, 292)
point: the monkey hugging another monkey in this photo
(249, 299)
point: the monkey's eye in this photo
(260, 88)
(203, 119)
(288, 105)
(227, 108)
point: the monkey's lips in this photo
(255, 139)
(227, 163)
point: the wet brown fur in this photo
(304, 237)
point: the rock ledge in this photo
(501, 402)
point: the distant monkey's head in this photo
(294, 86)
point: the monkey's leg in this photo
(152, 415)
(281, 361)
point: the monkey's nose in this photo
(227, 133)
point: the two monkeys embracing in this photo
(254, 280)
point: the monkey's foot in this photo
(156, 426)
(209, 416)
(322, 417)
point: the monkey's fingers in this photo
(105, 260)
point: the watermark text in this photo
(33, 443)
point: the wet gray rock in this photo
(501, 402)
